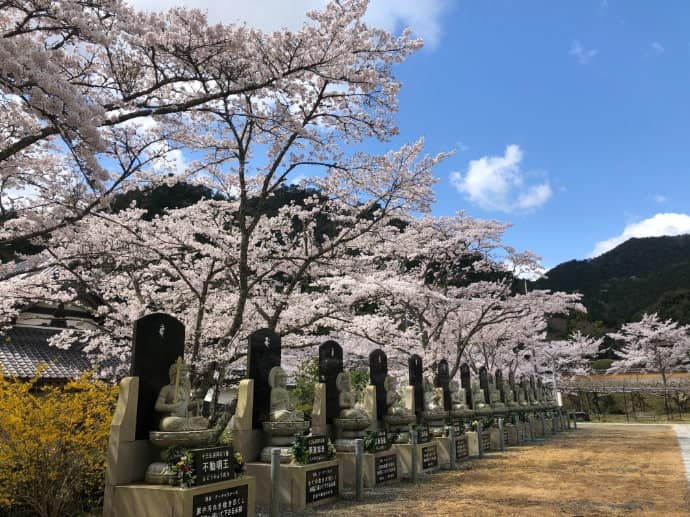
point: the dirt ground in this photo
(600, 469)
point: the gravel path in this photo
(598, 470)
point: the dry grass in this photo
(596, 470)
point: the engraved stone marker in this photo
(484, 383)
(378, 370)
(330, 365)
(499, 385)
(263, 354)
(416, 380)
(158, 342)
(466, 383)
(442, 380)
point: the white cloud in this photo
(582, 54)
(659, 198)
(656, 226)
(498, 183)
(423, 17)
(657, 48)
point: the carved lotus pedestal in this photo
(483, 410)
(499, 409)
(347, 430)
(461, 413)
(282, 435)
(436, 420)
(398, 427)
(159, 472)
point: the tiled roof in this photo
(24, 349)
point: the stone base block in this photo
(472, 443)
(427, 458)
(538, 428)
(285, 453)
(299, 485)
(462, 451)
(443, 450)
(486, 440)
(512, 435)
(139, 500)
(495, 439)
(377, 468)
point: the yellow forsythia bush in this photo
(53, 442)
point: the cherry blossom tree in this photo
(653, 345)
(568, 357)
(439, 287)
(97, 97)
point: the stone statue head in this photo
(184, 373)
(343, 381)
(427, 385)
(389, 383)
(277, 378)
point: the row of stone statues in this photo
(180, 412)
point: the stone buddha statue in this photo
(394, 401)
(509, 394)
(480, 404)
(477, 395)
(433, 398)
(457, 397)
(175, 403)
(282, 409)
(349, 408)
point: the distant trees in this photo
(653, 345)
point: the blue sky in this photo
(571, 120)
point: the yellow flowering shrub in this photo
(53, 442)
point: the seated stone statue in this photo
(457, 397)
(478, 397)
(282, 409)
(174, 402)
(495, 396)
(509, 394)
(433, 398)
(346, 399)
(394, 402)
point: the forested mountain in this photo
(641, 275)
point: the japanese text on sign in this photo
(322, 484)
(230, 502)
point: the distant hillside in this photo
(641, 275)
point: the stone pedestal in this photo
(299, 485)
(139, 500)
(443, 449)
(486, 440)
(512, 434)
(538, 428)
(436, 421)
(347, 430)
(462, 450)
(377, 468)
(495, 438)
(472, 443)
(548, 426)
(427, 458)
